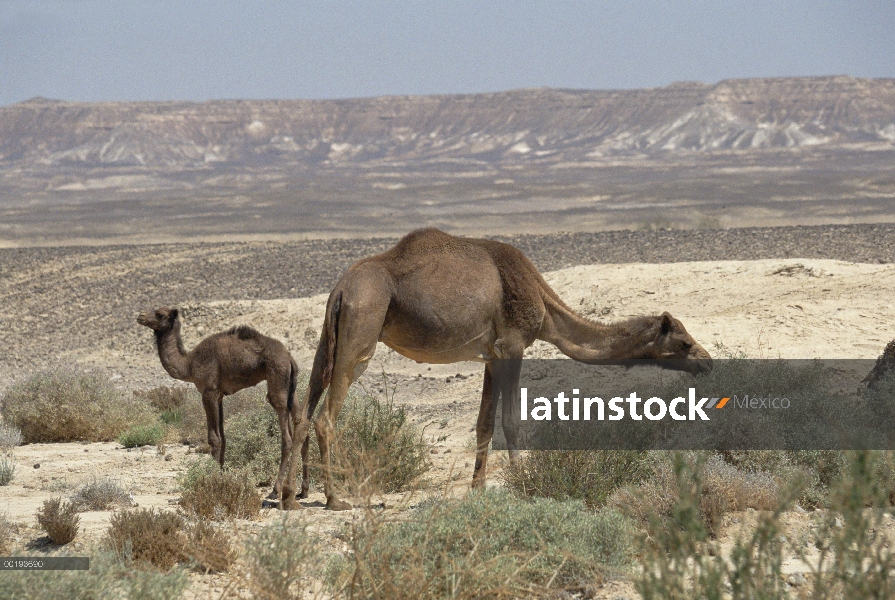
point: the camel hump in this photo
(244, 332)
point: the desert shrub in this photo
(854, 560)
(376, 449)
(10, 437)
(8, 530)
(59, 520)
(65, 405)
(188, 419)
(99, 493)
(142, 435)
(253, 444)
(210, 493)
(723, 488)
(147, 538)
(817, 470)
(7, 469)
(108, 577)
(161, 540)
(278, 557)
(209, 549)
(489, 544)
(165, 398)
(588, 475)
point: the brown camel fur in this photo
(436, 298)
(224, 363)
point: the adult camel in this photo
(437, 298)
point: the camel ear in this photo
(175, 312)
(667, 323)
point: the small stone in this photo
(36, 465)
(796, 579)
(433, 451)
(447, 451)
(168, 457)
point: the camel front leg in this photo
(484, 429)
(214, 421)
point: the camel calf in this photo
(224, 363)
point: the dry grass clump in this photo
(59, 520)
(278, 557)
(8, 529)
(161, 540)
(148, 538)
(210, 549)
(10, 437)
(210, 493)
(66, 405)
(487, 545)
(7, 469)
(165, 398)
(588, 475)
(99, 493)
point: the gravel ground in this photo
(56, 299)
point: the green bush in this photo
(142, 435)
(489, 544)
(376, 449)
(66, 405)
(253, 444)
(588, 475)
(278, 557)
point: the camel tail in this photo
(321, 372)
(293, 382)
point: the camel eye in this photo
(687, 346)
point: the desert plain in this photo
(809, 292)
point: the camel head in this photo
(665, 339)
(161, 319)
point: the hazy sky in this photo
(199, 50)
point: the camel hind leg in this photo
(501, 381)
(212, 402)
(279, 382)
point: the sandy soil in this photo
(793, 308)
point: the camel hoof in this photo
(334, 504)
(301, 495)
(288, 502)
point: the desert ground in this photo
(823, 292)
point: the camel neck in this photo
(171, 353)
(585, 340)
